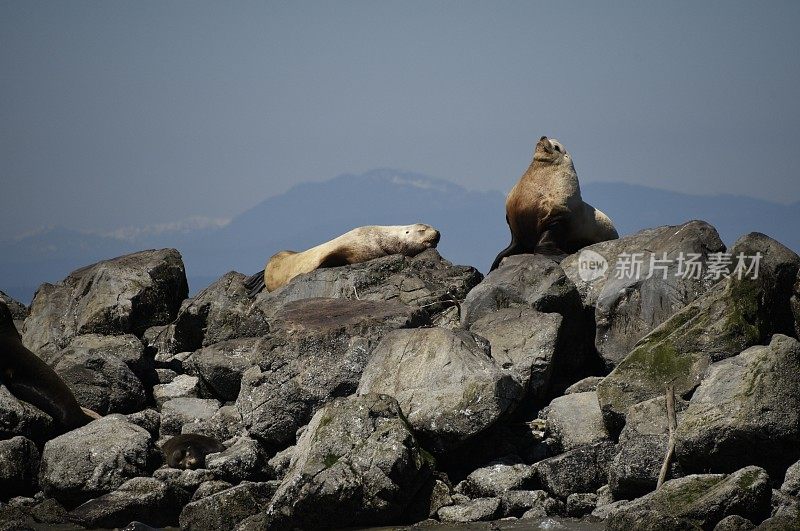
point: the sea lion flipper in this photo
(512, 249)
(254, 283)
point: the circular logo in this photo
(591, 265)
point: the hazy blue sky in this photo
(132, 113)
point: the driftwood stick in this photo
(673, 425)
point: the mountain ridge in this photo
(472, 225)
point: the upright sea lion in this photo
(189, 451)
(30, 379)
(358, 245)
(545, 211)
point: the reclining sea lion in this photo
(358, 245)
(189, 451)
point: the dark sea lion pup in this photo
(358, 245)
(30, 379)
(189, 451)
(545, 211)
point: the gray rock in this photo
(477, 510)
(705, 499)
(222, 311)
(146, 500)
(149, 419)
(575, 420)
(787, 519)
(520, 502)
(734, 522)
(100, 381)
(126, 348)
(223, 510)
(178, 412)
(641, 449)
(279, 463)
(18, 310)
(746, 411)
(34, 514)
(627, 306)
(582, 386)
(20, 418)
(222, 364)
(96, 459)
(498, 478)
(243, 460)
(582, 470)
(648, 520)
(425, 281)
(446, 383)
(732, 316)
(579, 505)
(182, 386)
(791, 481)
(317, 351)
(124, 295)
(525, 342)
(208, 488)
(165, 376)
(187, 480)
(19, 467)
(225, 424)
(525, 280)
(602, 512)
(357, 464)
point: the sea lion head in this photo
(187, 458)
(418, 237)
(550, 151)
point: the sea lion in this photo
(358, 245)
(545, 211)
(189, 451)
(30, 379)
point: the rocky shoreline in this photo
(414, 392)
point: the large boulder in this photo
(178, 413)
(641, 449)
(225, 311)
(575, 420)
(100, 381)
(498, 478)
(19, 467)
(119, 296)
(223, 510)
(524, 280)
(649, 277)
(96, 459)
(356, 464)
(146, 500)
(526, 342)
(221, 365)
(221, 311)
(476, 510)
(705, 499)
(446, 383)
(242, 460)
(582, 470)
(317, 350)
(733, 315)
(20, 418)
(746, 411)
